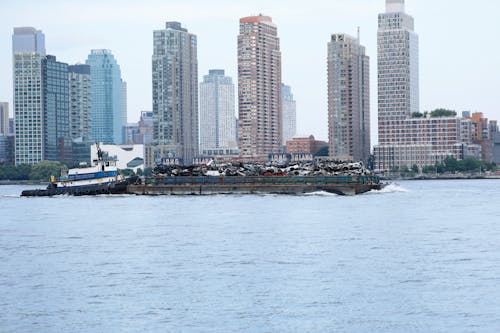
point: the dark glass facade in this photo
(57, 141)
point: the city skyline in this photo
(446, 81)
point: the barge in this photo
(205, 185)
(343, 178)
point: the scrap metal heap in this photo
(317, 168)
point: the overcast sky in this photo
(459, 48)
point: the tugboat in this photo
(101, 178)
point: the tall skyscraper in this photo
(348, 99)
(55, 109)
(398, 90)
(175, 93)
(28, 40)
(146, 127)
(289, 114)
(217, 117)
(406, 136)
(259, 88)
(4, 118)
(124, 109)
(79, 101)
(106, 103)
(28, 50)
(6, 139)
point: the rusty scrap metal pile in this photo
(316, 168)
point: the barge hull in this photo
(254, 185)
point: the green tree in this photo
(44, 169)
(127, 172)
(414, 168)
(443, 113)
(440, 168)
(471, 165)
(451, 164)
(428, 169)
(12, 172)
(148, 172)
(394, 169)
(323, 151)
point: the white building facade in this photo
(289, 114)
(28, 51)
(217, 113)
(127, 156)
(406, 137)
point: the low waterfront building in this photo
(425, 141)
(223, 154)
(482, 133)
(127, 156)
(496, 148)
(304, 145)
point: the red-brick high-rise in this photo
(259, 88)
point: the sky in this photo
(458, 53)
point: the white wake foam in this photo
(321, 194)
(390, 188)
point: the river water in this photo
(420, 256)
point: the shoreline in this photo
(23, 182)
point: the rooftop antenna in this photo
(359, 35)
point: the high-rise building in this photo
(79, 101)
(6, 149)
(11, 126)
(398, 89)
(175, 93)
(259, 88)
(217, 117)
(28, 40)
(28, 50)
(145, 135)
(348, 99)
(106, 102)
(406, 136)
(131, 133)
(6, 138)
(289, 114)
(56, 118)
(124, 109)
(4, 118)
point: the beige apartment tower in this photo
(348, 99)
(259, 89)
(175, 94)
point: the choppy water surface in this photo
(420, 256)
